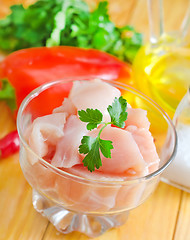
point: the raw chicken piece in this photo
(67, 154)
(94, 94)
(146, 145)
(82, 171)
(41, 177)
(137, 117)
(67, 106)
(130, 195)
(83, 196)
(46, 131)
(125, 157)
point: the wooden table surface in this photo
(164, 216)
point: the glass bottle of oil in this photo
(162, 67)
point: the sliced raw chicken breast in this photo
(67, 154)
(83, 196)
(82, 171)
(94, 94)
(45, 132)
(137, 117)
(129, 196)
(146, 145)
(125, 156)
(66, 107)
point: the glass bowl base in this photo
(67, 221)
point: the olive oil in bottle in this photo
(163, 73)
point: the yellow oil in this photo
(163, 74)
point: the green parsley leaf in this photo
(7, 94)
(86, 145)
(105, 147)
(118, 112)
(92, 159)
(92, 146)
(93, 117)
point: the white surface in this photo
(179, 170)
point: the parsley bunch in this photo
(7, 94)
(92, 146)
(67, 22)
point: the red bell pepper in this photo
(29, 68)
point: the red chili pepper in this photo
(29, 68)
(9, 144)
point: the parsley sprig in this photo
(67, 22)
(92, 146)
(7, 94)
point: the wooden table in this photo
(164, 216)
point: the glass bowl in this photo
(74, 203)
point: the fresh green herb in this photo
(93, 117)
(67, 22)
(7, 94)
(92, 146)
(118, 112)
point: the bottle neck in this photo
(156, 20)
(158, 36)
